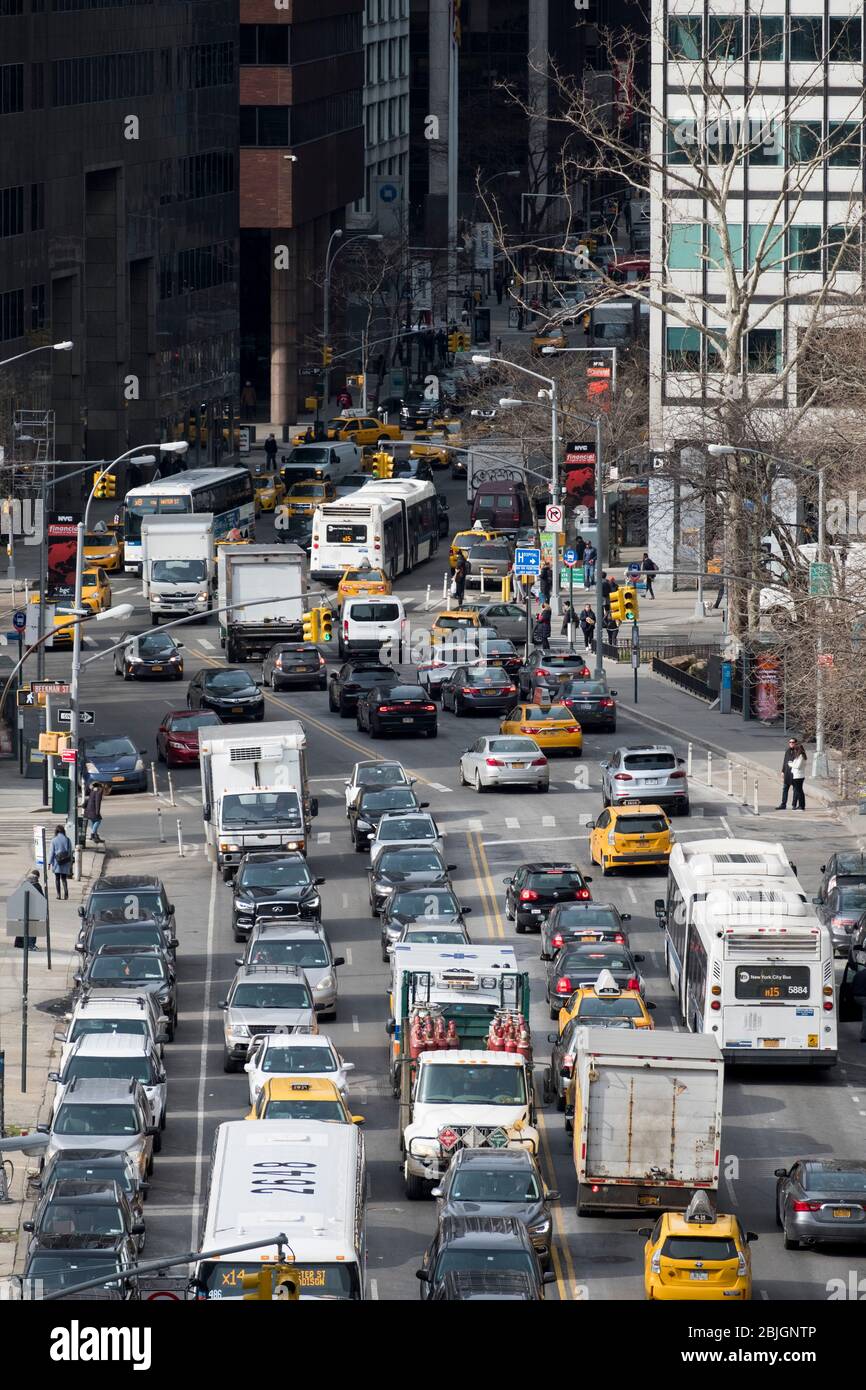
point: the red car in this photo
(177, 738)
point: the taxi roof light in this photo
(606, 986)
(699, 1210)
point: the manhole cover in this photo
(56, 1006)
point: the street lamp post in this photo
(326, 307)
(43, 347)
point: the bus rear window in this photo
(345, 535)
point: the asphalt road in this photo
(770, 1118)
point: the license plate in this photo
(304, 668)
(652, 781)
(647, 1201)
(407, 719)
(588, 938)
(769, 1042)
(156, 668)
(580, 705)
(698, 1274)
(841, 1213)
(237, 709)
(118, 779)
(518, 764)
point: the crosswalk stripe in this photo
(208, 646)
(323, 837)
(545, 820)
(511, 823)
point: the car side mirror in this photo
(239, 960)
(77, 979)
(548, 1277)
(614, 692)
(423, 805)
(625, 916)
(162, 1076)
(423, 1275)
(43, 1129)
(60, 1035)
(152, 1131)
(450, 867)
(436, 1192)
(465, 910)
(223, 1004)
(391, 1025)
(649, 1006)
(780, 1172)
(552, 1195)
(640, 959)
(587, 878)
(659, 907)
(507, 881)
(54, 1076)
(137, 1229)
(645, 1231)
(173, 941)
(319, 881)
(357, 1119)
(347, 1066)
(81, 911)
(339, 960)
(751, 1237)
(680, 762)
(28, 1225)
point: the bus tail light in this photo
(828, 1006)
(714, 1004)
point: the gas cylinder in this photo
(451, 1038)
(524, 1043)
(440, 1033)
(508, 1036)
(496, 1042)
(416, 1036)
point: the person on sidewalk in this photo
(649, 568)
(60, 860)
(787, 780)
(460, 572)
(93, 811)
(579, 549)
(587, 626)
(541, 630)
(608, 586)
(271, 451)
(797, 768)
(590, 556)
(545, 582)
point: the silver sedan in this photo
(499, 760)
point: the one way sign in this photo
(85, 716)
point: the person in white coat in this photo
(797, 771)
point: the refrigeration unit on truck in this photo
(255, 792)
(492, 463)
(177, 564)
(261, 598)
(646, 1111)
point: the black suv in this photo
(417, 409)
(354, 676)
(86, 1209)
(120, 898)
(144, 969)
(138, 932)
(484, 1243)
(274, 884)
(367, 810)
(534, 889)
(499, 1182)
(845, 867)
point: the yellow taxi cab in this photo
(302, 1098)
(95, 590)
(64, 629)
(269, 489)
(367, 579)
(630, 834)
(698, 1255)
(361, 429)
(103, 548)
(448, 622)
(605, 1003)
(461, 541)
(302, 499)
(431, 447)
(549, 336)
(552, 726)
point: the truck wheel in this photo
(416, 1188)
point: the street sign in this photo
(244, 440)
(25, 893)
(553, 518)
(19, 620)
(51, 687)
(571, 577)
(569, 558)
(527, 560)
(68, 755)
(164, 1288)
(820, 578)
(85, 716)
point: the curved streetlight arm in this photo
(43, 347)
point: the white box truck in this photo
(254, 790)
(646, 1110)
(495, 462)
(177, 564)
(261, 598)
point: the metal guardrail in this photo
(662, 649)
(692, 684)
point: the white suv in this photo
(371, 623)
(138, 1015)
(646, 773)
(116, 1057)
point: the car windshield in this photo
(125, 936)
(699, 1248)
(273, 995)
(188, 723)
(513, 745)
(482, 677)
(561, 660)
(472, 1183)
(575, 916)
(100, 538)
(852, 896)
(135, 902)
(306, 490)
(593, 690)
(408, 694)
(406, 828)
(97, 1119)
(424, 902)
(289, 655)
(280, 873)
(65, 1270)
(649, 762)
(591, 1007)
(466, 1084)
(851, 1184)
(591, 959)
(486, 550)
(391, 799)
(483, 1261)
(130, 1027)
(224, 682)
(289, 1061)
(111, 748)
(555, 880)
(640, 825)
(138, 1068)
(304, 953)
(305, 1110)
(158, 644)
(451, 624)
(179, 571)
(131, 967)
(429, 936)
(241, 809)
(396, 862)
(82, 1219)
(550, 714)
(356, 576)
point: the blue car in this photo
(116, 761)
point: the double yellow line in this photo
(559, 1251)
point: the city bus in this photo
(305, 1179)
(389, 522)
(227, 492)
(746, 955)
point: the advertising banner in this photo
(62, 545)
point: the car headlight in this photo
(91, 768)
(326, 982)
(238, 1030)
(232, 849)
(175, 657)
(363, 825)
(202, 596)
(139, 765)
(539, 1228)
(134, 660)
(424, 1148)
(244, 909)
(315, 901)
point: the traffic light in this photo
(453, 339)
(617, 607)
(326, 624)
(311, 625)
(383, 465)
(327, 356)
(629, 602)
(104, 484)
(462, 341)
(287, 1283)
(260, 1282)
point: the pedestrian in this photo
(541, 630)
(498, 345)
(344, 399)
(500, 288)
(309, 437)
(60, 860)
(787, 780)
(649, 568)
(271, 450)
(608, 586)
(590, 556)
(93, 811)
(249, 399)
(458, 584)
(797, 769)
(545, 581)
(568, 617)
(587, 626)
(580, 549)
(521, 317)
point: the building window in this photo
(370, 125)
(315, 119)
(326, 37)
(846, 40)
(725, 38)
(10, 7)
(265, 44)
(371, 64)
(205, 65)
(37, 86)
(37, 207)
(676, 151)
(773, 254)
(684, 36)
(844, 144)
(804, 247)
(843, 248)
(37, 308)
(11, 315)
(686, 243)
(11, 88)
(766, 38)
(404, 57)
(804, 141)
(716, 346)
(12, 211)
(765, 143)
(109, 77)
(715, 258)
(203, 267)
(265, 126)
(683, 349)
(805, 38)
(764, 350)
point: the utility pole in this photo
(820, 762)
(601, 551)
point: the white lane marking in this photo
(548, 820)
(208, 646)
(539, 840)
(728, 830)
(88, 641)
(356, 1027)
(202, 1070)
(765, 1295)
(190, 799)
(348, 955)
(345, 902)
(632, 894)
(438, 787)
(329, 791)
(511, 823)
(477, 826)
(127, 589)
(374, 1288)
(323, 837)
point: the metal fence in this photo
(692, 684)
(662, 648)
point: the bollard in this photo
(159, 823)
(689, 761)
(730, 778)
(179, 839)
(745, 795)
(171, 800)
(445, 585)
(840, 782)
(756, 796)
(153, 778)
(427, 599)
(709, 769)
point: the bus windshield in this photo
(223, 1279)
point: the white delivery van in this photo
(177, 564)
(323, 462)
(370, 623)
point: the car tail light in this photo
(386, 709)
(345, 627)
(656, 1262)
(467, 690)
(528, 895)
(508, 689)
(494, 762)
(634, 983)
(563, 984)
(619, 939)
(805, 1206)
(429, 709)
(583, 894)
(606, 703)
(571, 729)
(529, 729)
(540, 671)
(679, 773)
(623, 777)
(742, 1267)
(557, 940)
(538, 762)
